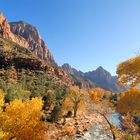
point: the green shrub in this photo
(56, 113)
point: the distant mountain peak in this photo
(27, 50)
(100, 68)
(99, 77)
(66, 65)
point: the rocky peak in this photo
(5, 32)
(96, 78)
(100, 68)
(31, 35)
(66, 65)
(103, 79)
(26, 36)
(1, 17)
(102, 73)
(68, 68)
(26, 49)
(78, 77)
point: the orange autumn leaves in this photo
(129, 74)
(96, 94)
(21, 120)
(75, 100)
(129, 101)
(1, 98)
(79, 99)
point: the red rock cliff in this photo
(26, 36)
(31, 35)
(5, 32)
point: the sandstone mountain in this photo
(35, 43)
(23, 48)
(6, 33)
(97, 78)
(103, 78)
(24, 36)
(78, 77)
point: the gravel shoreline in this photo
(81, 126)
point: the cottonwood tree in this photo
(129, 101)
(129, 72)
(96, 94)
(75, 99)
(21, 120)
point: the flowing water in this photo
(98, 133)
(115, 120)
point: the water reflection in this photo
(115, 120)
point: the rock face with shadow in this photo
(27, 36)
(23, 47)
(96, 78)
(36, 44)
(78, 77)
(6, 33)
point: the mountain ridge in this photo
(32, 36)
(96, 78)
(27, 36)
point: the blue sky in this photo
(84, 33)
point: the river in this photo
(115, 120)
(98, 133)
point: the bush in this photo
(55, 115)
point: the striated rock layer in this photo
(36, 45)
(5, 32)
(26, 36)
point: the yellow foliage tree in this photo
(129, 72)
(1, 98)
(1, 111)
(75, 99)
(129, 101)
(21, 120)
(96, 94)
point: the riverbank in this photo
(83, 124)
(88, 123)
(98, 132)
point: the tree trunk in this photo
(110, 125)
(75, 110)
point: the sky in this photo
(84, 33)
